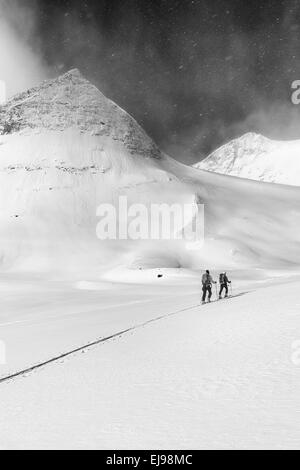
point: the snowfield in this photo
(221, 376)
(173, 374)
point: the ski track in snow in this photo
(105, 339)
(218, 377)
(74, 317)
(94, 343)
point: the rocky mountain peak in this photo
(71, 101)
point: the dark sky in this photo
(194, 73)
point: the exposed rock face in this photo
(71, 101)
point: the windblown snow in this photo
(65, 149)
(256, 157)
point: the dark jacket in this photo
(224, 280)
(207, 280)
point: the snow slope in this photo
(247, 223)
(222, 376)
(182, 381)
(65, 149)
(256, 157)
(41, 318)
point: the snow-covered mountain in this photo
(65, 149)
(71, 101)
(256, 157)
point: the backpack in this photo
(206, 280)
(222, 279)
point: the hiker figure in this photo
(224, 281)
(207, 282)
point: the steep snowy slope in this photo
(256, 157)
(65, 149)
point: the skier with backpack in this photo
(224, 281)
(207, 282)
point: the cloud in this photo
(21, 65)
(193, 74)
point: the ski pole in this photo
(216, 291)
(231, 289)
